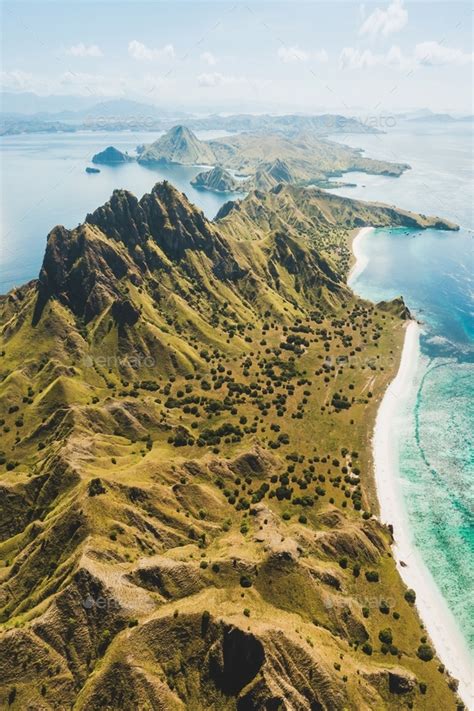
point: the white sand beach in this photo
(439, 622)
(361, 259)
(438, 619)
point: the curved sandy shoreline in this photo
(438, 619)
(361, 259)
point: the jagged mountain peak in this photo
(280, 239)
(165, 212)
(178, 145)
(127, 238)
(181, 131)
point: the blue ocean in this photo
(434, 271)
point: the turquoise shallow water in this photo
(435, 273)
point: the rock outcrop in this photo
(218, 180)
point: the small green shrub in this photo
(425, 652)
(245, 581)
(385, 636)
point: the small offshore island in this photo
(221, 493)
(111, 156)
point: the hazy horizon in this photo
(299, 56)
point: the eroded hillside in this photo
(188, 513)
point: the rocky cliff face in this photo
(127, 239)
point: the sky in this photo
(309, 56)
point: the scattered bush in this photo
(385, 636)
(425, 652)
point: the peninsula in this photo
(186, 409)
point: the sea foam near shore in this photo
(440, 624)
(450, 644)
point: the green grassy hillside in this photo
(188, 517)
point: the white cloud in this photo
(428, 54)
(16, 80)
(138, 50)
(384, 22)
(356, 59)
(320, 55)
(292, 54)
(363, 59)
(434, 54)
(211, 79)
(66, 83)
(82, 50)
(295, 54)
(209, 58)
(85, 84)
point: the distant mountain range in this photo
(78, 108)
(424, 115)
(27, 113)
(442, 118)
(29, 106)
